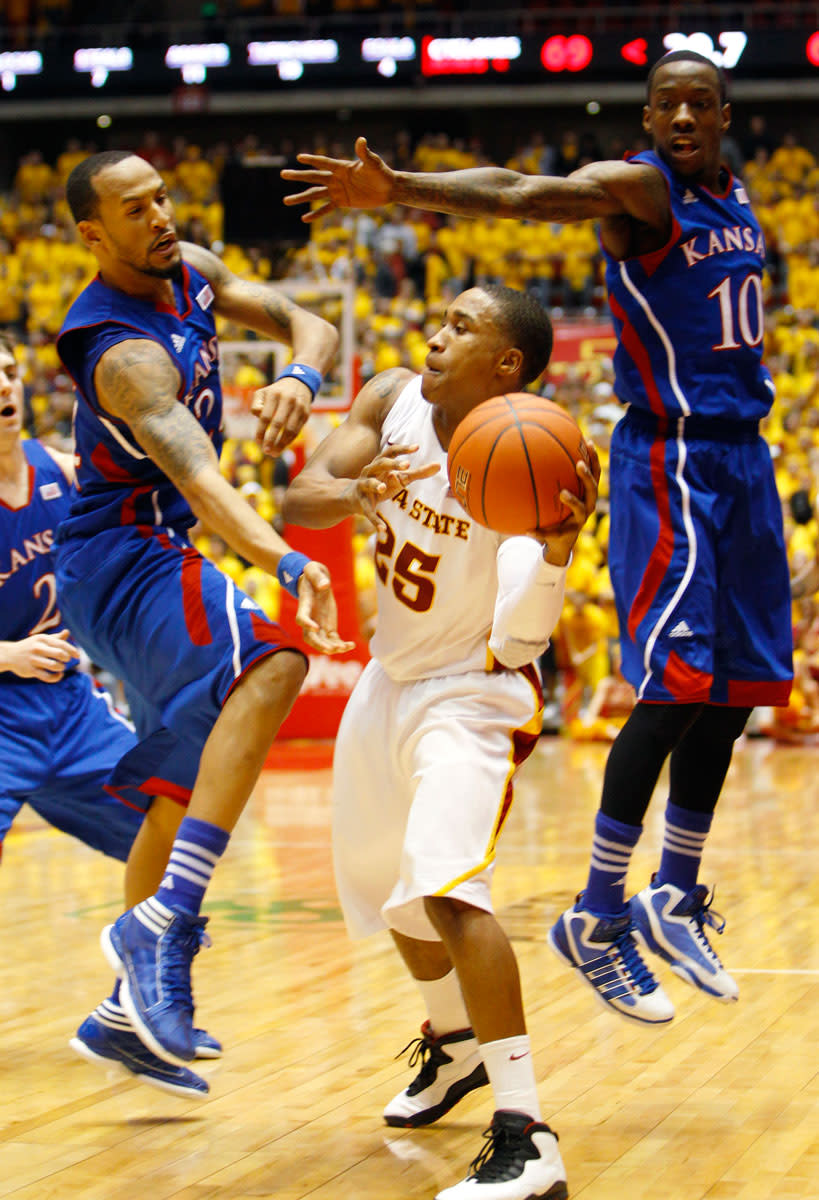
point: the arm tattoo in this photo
(137, 382)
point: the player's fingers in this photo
(308, 196)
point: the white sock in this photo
(512, 1075)
(444, 1004)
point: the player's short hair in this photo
(687, 56)
(80, 192)
(7, 343)
(525, 321)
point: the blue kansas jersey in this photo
(689, 316)
(117, 483)
(28, 594)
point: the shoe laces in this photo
(501, 1154)
(426, 1050)
(183, 943)
(704, 915)
(638, 971)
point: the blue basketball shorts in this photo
(698, 564)
(148, 607)
(59, 744)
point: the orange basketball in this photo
(510, 458)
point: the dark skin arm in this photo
(283, 407)
(630, 200)
(137, 382)
(349, 474)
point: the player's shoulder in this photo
(205, 262)
(378, 396)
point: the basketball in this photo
(510, 458)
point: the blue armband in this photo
(290, 570)
(306, 375)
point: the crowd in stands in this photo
(403, 267)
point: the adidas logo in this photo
(248, 603)
(178, 342)
(296, 370)
(681, 629)
(689, 197)
(168, 883)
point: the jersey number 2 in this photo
(51, 614)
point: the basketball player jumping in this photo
(209, 677)
(444, 713)
(696, 550)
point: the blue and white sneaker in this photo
(152, 948)
(605, 953)
(671, 923)
(107, 1039)
(205, 1044)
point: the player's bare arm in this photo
(137, 382)
(349, 474)
(283, 407)
(606, 190)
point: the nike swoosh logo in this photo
(515, 1057)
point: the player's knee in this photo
(449, 915)
(276, 679)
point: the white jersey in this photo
(436, 568)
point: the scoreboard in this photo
(58, 69)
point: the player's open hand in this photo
(43, 656)
(317, 615)
(387, 475)
(362, 182)
(281, 409)
(559, 540)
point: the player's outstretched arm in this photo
(600, 190)
(349, 474)
(137, 382)
(282, 407)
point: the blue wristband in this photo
(290, 570)
(306, 375)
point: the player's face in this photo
(134, 226)
(686, 118)
(464, 363)
(11, 398)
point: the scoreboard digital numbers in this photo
(152, 67)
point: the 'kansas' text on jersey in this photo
(689, 316)
(28, 593)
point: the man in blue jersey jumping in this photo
(209, 678)
(697, 556)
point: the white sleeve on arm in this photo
(528, 604)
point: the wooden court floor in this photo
(722, 1104)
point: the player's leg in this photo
(596, 935)
(752, 666)
(662, 568)
(522, 1152)
(93, 738)
(153, 945)
(468, 736)
(672, 913)
(447, 1052)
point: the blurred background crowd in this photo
(400, 268)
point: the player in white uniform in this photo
(442, 717)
